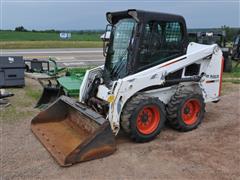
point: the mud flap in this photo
(49, 95)
(73, 133)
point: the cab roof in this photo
(142, 16)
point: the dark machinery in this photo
(236, 50)
(48, 67)
(214, 38)
(3, 95)
(12, 71)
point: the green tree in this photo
(20, 29)
(230, 32)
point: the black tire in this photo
(131, 113)
(176, 107)
(227, 65)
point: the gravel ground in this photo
(210, 152)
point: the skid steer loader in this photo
(151, 75)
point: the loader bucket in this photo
(49, 95)
(73, 133)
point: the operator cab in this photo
(140, 40)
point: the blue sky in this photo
(77, 14)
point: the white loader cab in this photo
(152, 74)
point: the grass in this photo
(46, 36)
(49, 44)
(234, 76)
(21, 104)
(233, 81)
(35, 40)
(32, 93)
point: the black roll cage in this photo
(142, 18)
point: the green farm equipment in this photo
(66, 85)
(48, 67)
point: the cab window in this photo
(161, 41)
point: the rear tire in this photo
(143, 118)
(185, 111)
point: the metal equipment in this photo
(214, 38)
(72, 133)
(36, 65)
(3, 95)
(49, 95)
(49, 66)
(66, 85)
(46, 72)
(151, 75)
(236, 50)
(12, 71)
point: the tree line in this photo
(230, 32)
(22, 29)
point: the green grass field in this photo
(49, 44)
(31, 40)
(233, 76)
(46, 36)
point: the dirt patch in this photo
(22, 102)
(229, 87)
(209, 152)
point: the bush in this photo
(20, 29)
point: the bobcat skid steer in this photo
(151, 75)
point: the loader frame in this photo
(150, 75)
(195, 66)
(209, 57)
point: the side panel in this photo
(209, 56)
(87, 81)
(130, 85)
(212, 80)
(164, 94)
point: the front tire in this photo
(185, 111)
(143, 118)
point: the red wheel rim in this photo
(148, 119)
(190, 111)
